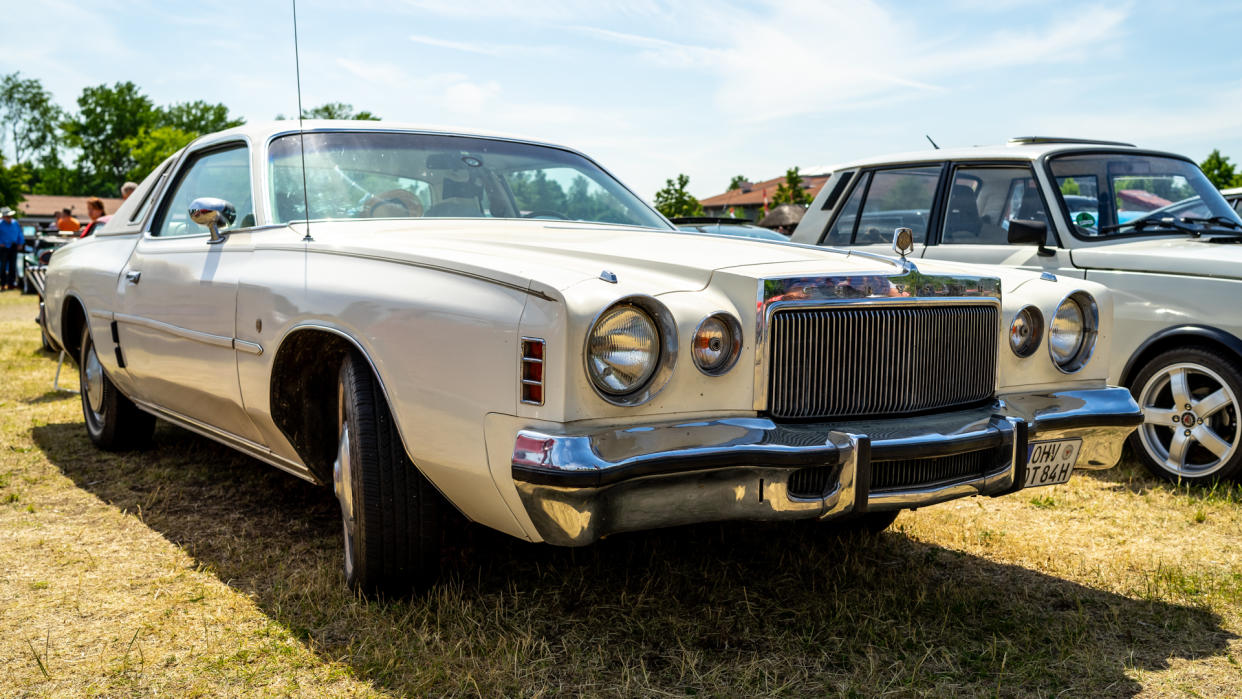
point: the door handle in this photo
(133, 276)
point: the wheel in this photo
(1191, 429)
(113, 422)
(870, 523)
(390, 512)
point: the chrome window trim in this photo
(174, 175)
(438, 132)
(877, 289)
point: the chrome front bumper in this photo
(579, 486)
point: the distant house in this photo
(42, 208)
(747, 201)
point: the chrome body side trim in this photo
(184, 333)
(578, 487)
(247, 447)
(909, 288)
(247, 347)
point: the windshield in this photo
(413, 175)
(1111, 194)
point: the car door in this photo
(178, 296)
(882, 201)
(982, 202)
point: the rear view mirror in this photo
(1023, 232)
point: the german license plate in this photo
(1050, 463)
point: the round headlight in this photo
(1071, 335)
(716, 344)
(623, 350)
(1026, 331)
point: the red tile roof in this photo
(754, 197)
(49, 204)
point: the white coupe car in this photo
(417, 317)
(1146, 224)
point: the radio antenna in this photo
(926, 135)
(297, 68)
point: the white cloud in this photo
(486, 49)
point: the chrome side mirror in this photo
(213, 213)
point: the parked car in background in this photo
(425, 320)
(1234, 197)
(37, 251)
(1147, 224)
(727, 226)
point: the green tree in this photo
(108, 119)
(674, 201)
(335, 110)
(737, 182)
(30, 118)
(791, 191)
(13, 181)
(1219, 171)
(197, 117)
(150, 147)
(1070, 186)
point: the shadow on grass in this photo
(722, 609)
(51, 397)
(1131, 476)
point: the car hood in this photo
(1181, 255)
(559, 255)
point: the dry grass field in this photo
(188, 570)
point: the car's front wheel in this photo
(390, 512)
(1191, 429)
(113, 422)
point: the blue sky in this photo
(652, 89)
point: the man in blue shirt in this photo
(11, 240)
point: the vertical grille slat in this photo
(862, 361)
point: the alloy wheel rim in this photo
(1191, 420)
(92, 372)
(341, 480)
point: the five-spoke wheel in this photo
(1191, 429)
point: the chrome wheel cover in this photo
(341, 483)
(92, 382)
(1191, 422)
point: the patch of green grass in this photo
(1044, 502)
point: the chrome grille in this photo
(921, 473)
(880, 360)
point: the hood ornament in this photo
(903, 244)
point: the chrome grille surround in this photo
(913, 312)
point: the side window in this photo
(983, 200)
(842, 229)
(897, 198)
(222, 174)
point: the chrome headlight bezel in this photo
(666, 352)
(1035, 335)
(1090, 329)
(733, 343)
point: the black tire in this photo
(113, 422)
(1207, 419)
(393, 539)
(868, 523)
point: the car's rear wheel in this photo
(1191, 429)
(113, 422)
(390, 512)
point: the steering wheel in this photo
(395, 203)
(545, 213)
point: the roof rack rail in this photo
(1029, 140)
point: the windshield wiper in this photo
(1218, 220)
(1139, 224)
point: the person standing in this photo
(11, 241)
(66, 223)
(95, 209)
(128, 189)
